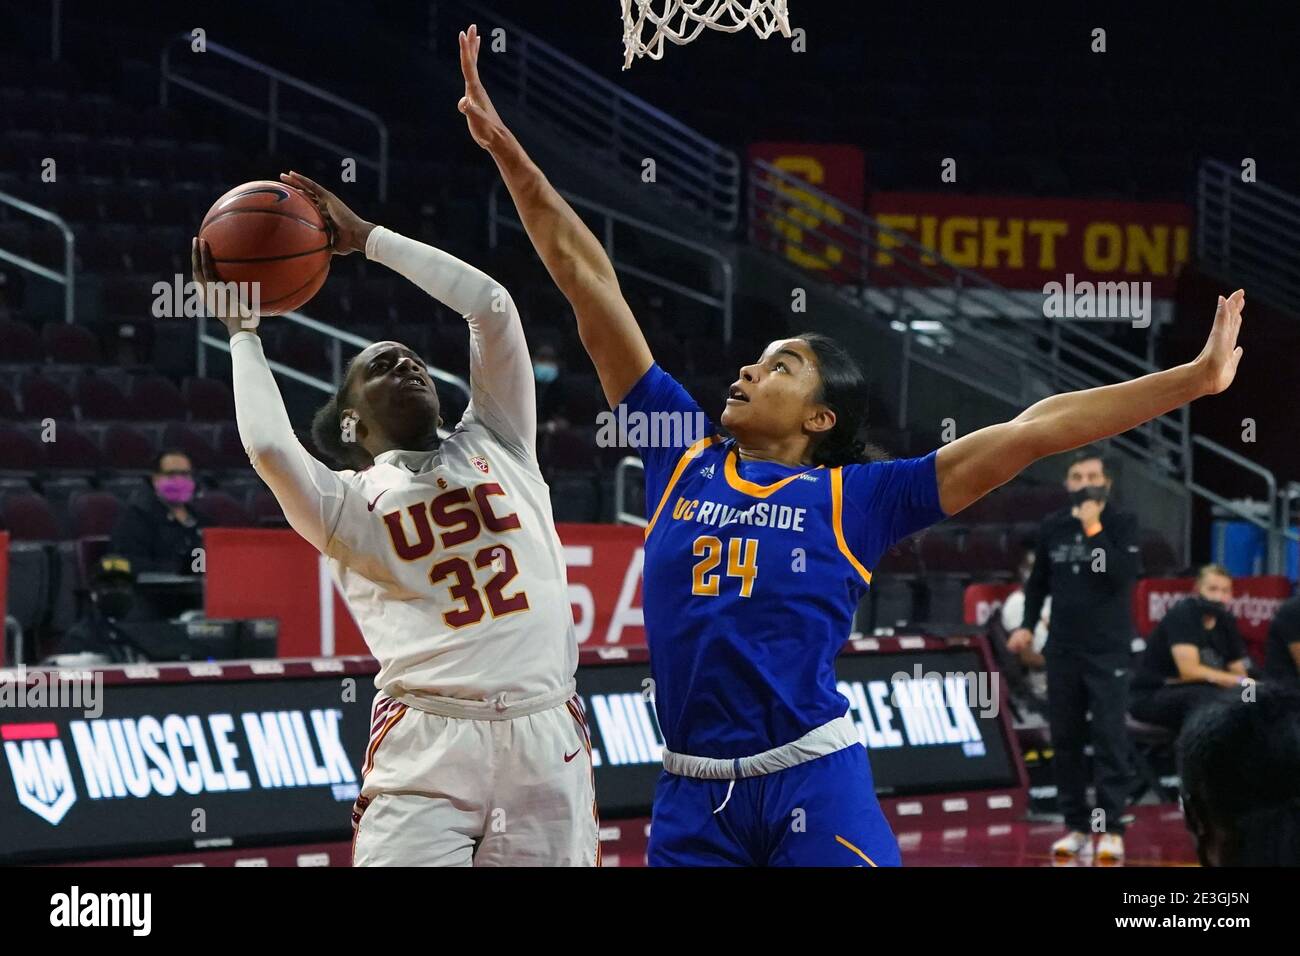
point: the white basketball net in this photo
(681, 21)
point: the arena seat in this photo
(93, 513)
(66, 342)
(72, 450)
(8, 407)
(98, 398)
(222, 510)
(191, 440)
(154, 397)
(208, 400)
(19, 452)
(22, 342)
(129, 448)
(28, 517)
(29, 584)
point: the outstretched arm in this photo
(975, 464)
(572, 255)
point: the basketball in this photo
(271, 234)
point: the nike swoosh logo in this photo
(371, 506)
(568, 757)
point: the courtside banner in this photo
(931, 719)
(1025, 242)
(836, 169)
(275, 573)
(801, 224)
(980, 601)
(1255, 601)
(154, 760)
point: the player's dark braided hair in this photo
(844, 390)
(327, 429)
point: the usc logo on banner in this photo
(807, 224)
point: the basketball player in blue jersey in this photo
(759, 546)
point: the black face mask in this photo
(1088, 493)
(1206, 606)
(115, 603)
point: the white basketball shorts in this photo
(455, 791)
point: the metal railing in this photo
(1277, 524)
(337, 338)
(615, 126)
(68, 277)
(276, 123)
(624, 468)
(1250, 231)
(955, 321)
(502, 213)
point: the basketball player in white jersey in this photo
(447, 555)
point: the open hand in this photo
(1219, 359)
(484, 122)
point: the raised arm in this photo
(310, 494)
(572, 255)
(975, 464)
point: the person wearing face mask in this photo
(1087, 560)
(550, 391)
(159, 530)
(1194, 656)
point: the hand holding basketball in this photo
(347, 230)
(485, 123)
(218, 306)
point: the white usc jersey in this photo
(448, 558)
(450, 564)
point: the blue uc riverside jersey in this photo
(752, 573)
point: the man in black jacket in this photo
(1087, 560)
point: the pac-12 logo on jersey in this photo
(39, 767)
(479, 462)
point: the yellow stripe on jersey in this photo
(843, 842)
(837, 515)
(749, 487)
(682, 462)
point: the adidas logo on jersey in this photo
(707, 471)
